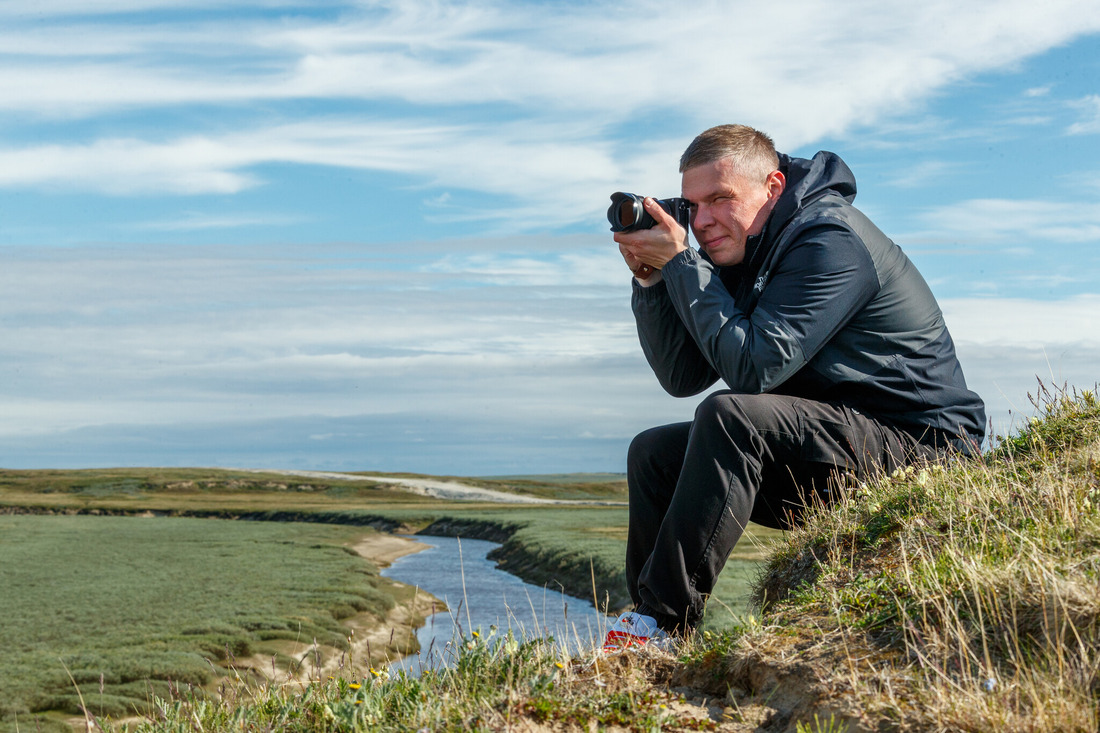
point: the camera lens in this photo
(626, 213)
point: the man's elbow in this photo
(682, 386)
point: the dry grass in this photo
(963, 596)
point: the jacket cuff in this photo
(653, 291)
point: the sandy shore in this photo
(382, 549)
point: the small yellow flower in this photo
(355, 685)
(559, 665)
(476, 634)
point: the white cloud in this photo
(1015, 221)
(923, 173)
(569, 161)
(552, 79)
(128, 166)
(1020, 322)
(468, 331)
(194, 221)
(1090, 113)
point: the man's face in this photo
(727, 207)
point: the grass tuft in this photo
(493, 683)
(956, 596)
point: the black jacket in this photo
(824, 306)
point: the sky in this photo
(371, 236)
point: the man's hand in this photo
(646, 250)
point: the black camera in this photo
(627, 214)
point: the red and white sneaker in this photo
(634, 629)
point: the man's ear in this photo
(775, 183)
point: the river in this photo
(479, 597)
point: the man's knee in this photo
(643, 447)
(658, 447)
(736, 414)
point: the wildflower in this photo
(355, 685)
(477, 634)
(559, 665)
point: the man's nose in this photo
(702, 217)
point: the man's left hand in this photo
(654, 246)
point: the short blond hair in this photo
(753, 152)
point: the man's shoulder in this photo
(833, 220)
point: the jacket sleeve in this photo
(823, 279)
(667, 344)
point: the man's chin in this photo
(720, 257)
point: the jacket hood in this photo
(807, 181)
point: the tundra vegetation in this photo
(117, 583)
(955, 596)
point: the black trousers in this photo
(695, 486)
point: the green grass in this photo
(122, 601)
(579, 547)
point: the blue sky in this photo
(371, 235)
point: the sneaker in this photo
(634, 629)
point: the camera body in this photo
(627, 214)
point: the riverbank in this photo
(373, 641)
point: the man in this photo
(834, 353)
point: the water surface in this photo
(480, 597)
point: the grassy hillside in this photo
(958, 597)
